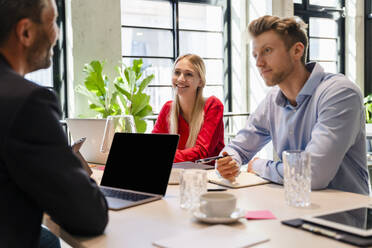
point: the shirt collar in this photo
(315, 78)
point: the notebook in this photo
(245, 179)
(92, 130)
(216, 236)
(138, 167)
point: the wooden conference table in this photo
(141, 225)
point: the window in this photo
(55, 76)
(326, 28)
(159, 31)
(368, 48)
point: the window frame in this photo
(306, 10)
(226, 60)
(368, 48)
(60, 61)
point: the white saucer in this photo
(235, 216)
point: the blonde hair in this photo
(291, 30)
(197, 115)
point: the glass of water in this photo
(193, 183)
(297, 178)
(116, 124)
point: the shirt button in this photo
(294, 111)
(291, 132)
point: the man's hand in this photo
(227, 167)
(250, 165)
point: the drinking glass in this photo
(193, 183)
(114, 124)
(297, 178)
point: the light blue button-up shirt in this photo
(328, 122)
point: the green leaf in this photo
(97, 109)
(137, 64)
(145, 82)
(367, 99)
(94, 81)
(147, 110)
(369, 107)
(124, 103)
(131, 79)
(124, 92)
(91, 96)
(138, 77)
(139, 101)
(141, 125)
(119, 81)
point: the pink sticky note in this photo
(101, 167)
(259, 215)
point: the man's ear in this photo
(25, 31)
(298, 50)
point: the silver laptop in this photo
(92, 130)
(138, 168)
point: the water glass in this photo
(116, 124)
(297, 178)
(193, 183)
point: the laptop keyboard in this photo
(129, 196)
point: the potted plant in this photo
(123, 96)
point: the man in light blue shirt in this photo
(307, 109)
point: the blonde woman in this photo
(196, 119)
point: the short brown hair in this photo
(291, 30)
(11, 11)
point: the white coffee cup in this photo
(217, 204)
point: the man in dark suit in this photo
(38, 171)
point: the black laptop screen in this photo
(140, 162)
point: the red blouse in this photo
(210, 140)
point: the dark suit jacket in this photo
(38, 171)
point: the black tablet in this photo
(356, 220)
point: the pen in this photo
(210, 159)
(217, 189)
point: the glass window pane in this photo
(161, 68)
(42, 77)
(214, 71)
(323, 49)
(216, 91)
(323, 27)
(146, 13)
(159, 96)
(146, 42)
(328, 3)
(207, 45)
(200, 17)
(329, 66)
